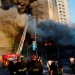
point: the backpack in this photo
(59, 70)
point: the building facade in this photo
(53, 11)
(60, 11)
(63, 11)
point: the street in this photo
(3, 71)
(66, 70)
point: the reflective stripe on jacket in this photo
(22, 69)
(35, 69)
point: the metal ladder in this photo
(22, 38)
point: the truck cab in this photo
(9, 57)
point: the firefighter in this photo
(35, 66)
(41, 70)
(20, 66)
(49, 64)
(28, 66)
(53, 67)
(11, 67)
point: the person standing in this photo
(35, 66)
(11, 67)
(59, 68)
(72, 62)
(28, 66)
(53, 68)
(40, 60)
(49, 64)
(20, 66)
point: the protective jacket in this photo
(36, 67)
(20, 68)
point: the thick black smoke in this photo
(50, 30)
(38, 8)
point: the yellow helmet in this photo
(20, 57)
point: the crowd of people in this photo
(34, 66)
(54, 66)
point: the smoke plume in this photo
(10, 25)
(50, 30)
(38, 8)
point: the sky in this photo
(71, 4)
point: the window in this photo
(60, 14)
(63, 12)
(59, 7)
(61, 18)
(59, 4)
(60, 11)
(63, 8)
(64, 18)
(62, 5)
(64, 15)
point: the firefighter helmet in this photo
(20, 57)
(34, 57)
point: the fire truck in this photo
(13, 57)
(9, 57)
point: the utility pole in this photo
(58, 50)
(0, 3)
(34, 29)
(35, 34)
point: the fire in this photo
(45, 44)
(48, 43)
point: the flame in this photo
(48, 43)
